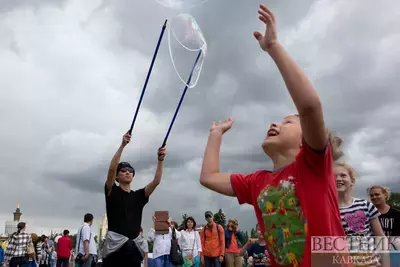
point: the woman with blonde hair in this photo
(359, 220)
(390, 217)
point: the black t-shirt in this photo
(390, 222)
(259, 258)
(124, 210)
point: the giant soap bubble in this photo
(186, 41)
(181, 4)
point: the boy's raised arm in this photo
(112, 170)
(210, 176)
(304, 96)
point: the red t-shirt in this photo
(292, 204)
(64, 246)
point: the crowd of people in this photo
(298, 199)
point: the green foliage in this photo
(245, 237)
(394, 200)
(253, 233)
(220, 218)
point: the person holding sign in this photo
(124, 246)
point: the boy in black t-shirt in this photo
(256, 250)
(125, 206)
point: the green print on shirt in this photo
(285, 225)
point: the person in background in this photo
(83, 240)
(53, 258)
(37, 243)
(93, 249)
(162, 244)
(190, 242)
(145, 261)
(1, 255)
(212, 242)
(233, 244)
(45, 252)
(64, 247)
(390, 216)
(256, 251)
(52, 254)
(359, 220)
(16, 252)
(72, 259)
(389, 219)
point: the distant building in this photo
(103, 227)
(10, 227)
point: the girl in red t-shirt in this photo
(297, 199)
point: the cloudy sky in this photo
(71, 74)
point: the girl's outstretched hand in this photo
(221, 126)
(269, 39)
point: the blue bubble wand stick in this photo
(148, 76)
(181, 100)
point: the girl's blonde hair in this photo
(336, 143)
(350, 170)
(234, 222)
(385, 190)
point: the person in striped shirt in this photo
(359, 220)
(16, 251)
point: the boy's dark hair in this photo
(66, 232)
(88, 218)
(186, 221)
(43, 238)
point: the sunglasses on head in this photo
(127, 170)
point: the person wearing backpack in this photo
(212, 242)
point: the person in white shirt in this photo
(83, 239)
(145, 262)
(162, 245)
(93, 249)
(190, 242)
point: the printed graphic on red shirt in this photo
(285, 225)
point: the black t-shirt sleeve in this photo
(106, 189)
(250, 251)
(141, 196)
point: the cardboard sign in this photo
(161, 225)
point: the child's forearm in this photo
(211, 155)
(300, 88)
(244, 249)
